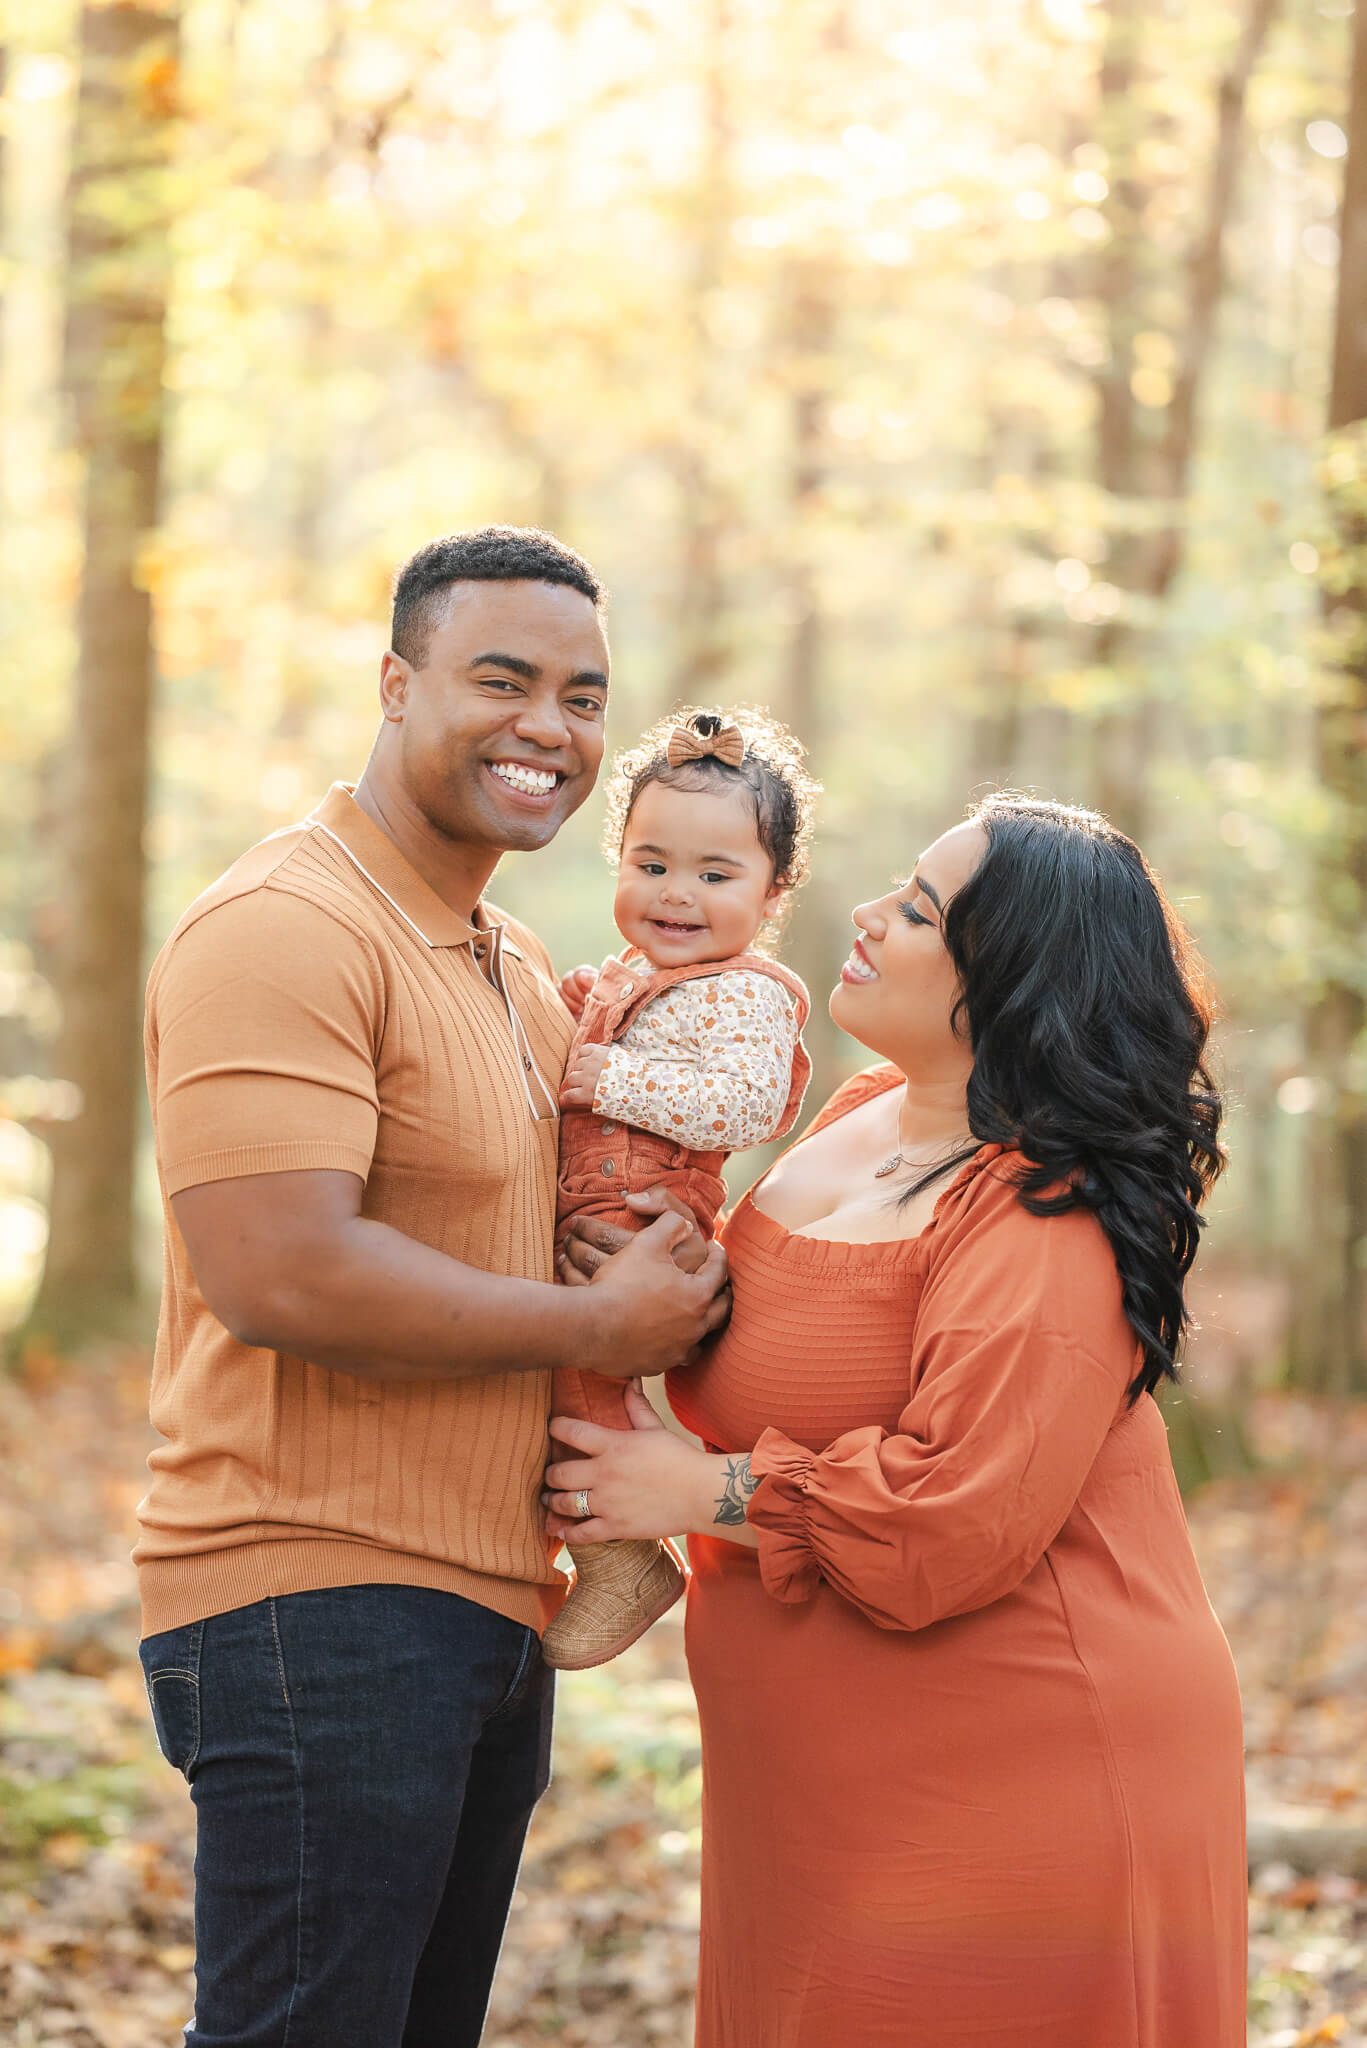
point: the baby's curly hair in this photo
(784, 794)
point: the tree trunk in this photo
(704, 653)
(1132, 463)
(813, 949)
(1119, 767)
(1328, 1340)
(115, 339)
(811, 312)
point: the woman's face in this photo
(897, 990)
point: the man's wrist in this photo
(584, 1337)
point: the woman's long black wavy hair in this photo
(1088, 1012)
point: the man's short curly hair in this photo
(783, 793)
(489, 554)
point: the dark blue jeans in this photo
(364, 1763)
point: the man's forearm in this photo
(379, 1305)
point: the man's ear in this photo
(395, 677)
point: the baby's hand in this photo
(581, 1079)
(575, 986)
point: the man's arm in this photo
(287, 1262)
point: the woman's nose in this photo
(870, 918)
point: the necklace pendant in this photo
(888, 1166)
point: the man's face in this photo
(501, 729)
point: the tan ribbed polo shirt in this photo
(320, 1006)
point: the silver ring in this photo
(581, 1504)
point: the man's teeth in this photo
(535, 781)
(860, 968)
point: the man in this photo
(354, 1063)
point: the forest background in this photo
(982, 389)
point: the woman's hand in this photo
(589, 1242)
(643, 1481)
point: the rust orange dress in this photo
(972, 1759)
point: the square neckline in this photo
(861, 1088)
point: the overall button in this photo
(608, 1169)
(627, 987)
(608, 1130)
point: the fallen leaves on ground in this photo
(96, 1834)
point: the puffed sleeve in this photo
(1021, 1364)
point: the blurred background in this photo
(981, 388)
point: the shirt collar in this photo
(403, 888)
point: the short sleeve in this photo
(264, 1016)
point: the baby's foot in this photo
(619, 1590)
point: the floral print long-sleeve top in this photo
(708, 1063)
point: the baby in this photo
(689, 1048)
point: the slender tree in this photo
(117, 218)
(810, 312)
(1144, 451)
(1329, 1337)
(702, 658)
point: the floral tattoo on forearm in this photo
(740, 1484)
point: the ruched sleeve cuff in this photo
(778, 1511)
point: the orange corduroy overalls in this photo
(602, 1161)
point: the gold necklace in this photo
(891, 1164)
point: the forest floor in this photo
(96, 1834)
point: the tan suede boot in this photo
(619, 1590)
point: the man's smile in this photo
(539, 784)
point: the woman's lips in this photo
(858, 969)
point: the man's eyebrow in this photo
(920, 882)
(515, 662)
(517, 665)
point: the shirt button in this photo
(608, 1169)
(479, 952)
(526, 1063)
(608, 1130)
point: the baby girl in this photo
(689, 1048)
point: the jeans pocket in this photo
(170, 1665)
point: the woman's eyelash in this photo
(911, 914)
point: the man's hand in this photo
(588, 1241)
(581, 1078)
(574, 988)
(649, 1316)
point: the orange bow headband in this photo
(724, 739)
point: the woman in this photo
(971, 1739)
